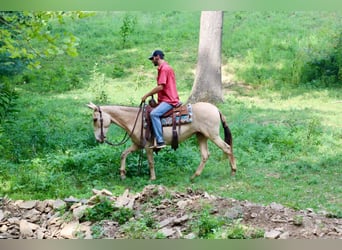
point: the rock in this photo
(14, 220)
(86, 229)
(79, 211)
(41, 205)
(40, 233)
(167, 232)
(69, 230)
(284, 236)
(276, 206)
(71, 200)
(234, 212)
(125, 200)
(190, 236)
(3, 228)
(273, 234)
(181, 219)
(104, 192)
(166, 222)
(1, 215)
(58, 204)
(27, 228)
(182, 204)
(32, 215)
(27, 204)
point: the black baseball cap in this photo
(157, 53)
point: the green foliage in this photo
(127, 28)
(20, 32)
(275, 48)
(238, 231)
(207, 225)
(215, 227)
(104, 210)
(142, 228)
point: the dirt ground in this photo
(175, 213)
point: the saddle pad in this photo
(182, 119)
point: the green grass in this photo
(286, 127)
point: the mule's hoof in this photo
(232, 173)
(192, 178)
(123, 177)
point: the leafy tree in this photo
(27, 36)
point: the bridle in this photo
(126, 137)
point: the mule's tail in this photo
(228, 138)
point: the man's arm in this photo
(153, 91)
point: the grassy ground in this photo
(286, 129)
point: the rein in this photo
(125, 138)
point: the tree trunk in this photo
(208, 81)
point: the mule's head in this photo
(101, 122)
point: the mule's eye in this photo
(95, 119)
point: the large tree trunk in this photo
(208, 81)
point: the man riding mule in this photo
(167, 95)
(206, 120)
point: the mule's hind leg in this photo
(124, 155)
(203, 145)
(228, 151)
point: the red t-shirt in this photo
(166, 77)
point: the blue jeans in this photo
(155, 115)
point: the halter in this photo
(125, 138)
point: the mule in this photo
(206, 120)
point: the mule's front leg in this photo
(149, 153)
(124, 155)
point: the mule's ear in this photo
(92, 106)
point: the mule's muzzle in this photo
(101, 140)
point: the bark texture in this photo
(208, 80)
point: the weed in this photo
(208, 224)
(96, 230)
(127, 28)
(101, 211)
(239, 231)
(104, 210)
(141, 229)
(298, 220)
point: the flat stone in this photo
(284, 236)
(273, 234)
(26, 228)
(27, 204)
(166, 222)
(41, 205)
(167, 232)
(40, 234)
(1, 215)
(30, 214)
(181, 219)
(276, 206)
(79, 211)
(69, 230)
(58, 204)
(234, 212)
(3, 228)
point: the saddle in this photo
(176, 116)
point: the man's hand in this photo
(144, 98)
